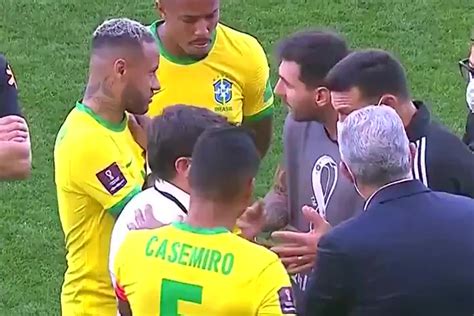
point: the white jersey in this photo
(167, 202)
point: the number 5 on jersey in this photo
(174, 291)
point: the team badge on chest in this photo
(222, 91)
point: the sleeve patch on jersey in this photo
(112, 178)
(287, 302)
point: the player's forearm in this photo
(15, 160)
(276, 206)
(276, 202)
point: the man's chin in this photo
(198, 54)
(141, 111)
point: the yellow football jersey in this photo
(184, 270)
(232, 80)
(98, 169)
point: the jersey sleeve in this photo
(275, 288)
(258, 94)
(97, 168)
(8, 90)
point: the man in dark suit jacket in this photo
(411, 252)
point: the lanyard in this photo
(172, 199)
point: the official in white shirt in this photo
(171, 138)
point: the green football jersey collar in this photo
(181, 60)
(115, 127)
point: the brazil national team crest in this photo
(222, 91)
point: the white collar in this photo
(366, 204)
(170, 188)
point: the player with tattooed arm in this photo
(99, 166)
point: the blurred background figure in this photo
(466, 67)
(15, 146)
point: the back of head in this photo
(225, 162)
(374, 146)
(373, 72)
(174, 134)
(316, 52)
(120, 33)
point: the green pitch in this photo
(47, 44)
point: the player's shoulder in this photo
(245, 43)
(238, 35)
(252, 249)
(146, 196)
(82, 131)
(142, 236)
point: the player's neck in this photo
(168, 43)
(180, 183)
(407, 112)
(102, 105)
(209, 214)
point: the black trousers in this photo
(468, 137)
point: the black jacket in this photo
(443, 162)
(411, 253)
(8, 91)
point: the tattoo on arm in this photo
(276, 202)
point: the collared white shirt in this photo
(367, 202)
(164, 210)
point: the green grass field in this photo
(47, 42)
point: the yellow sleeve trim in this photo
(118, 207)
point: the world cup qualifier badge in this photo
(112, 178)
(287, 301)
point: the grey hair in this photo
(374, 145)
(121, 31)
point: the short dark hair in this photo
(121, 32)
(316, 52)
(374, 72)
(224, 159)
(174, 134)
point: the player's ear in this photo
(120, 68)
(159, 8)
(388, 99)
(182, 165)
(322, 96)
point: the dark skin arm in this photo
(263, 130)
(124, 308)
